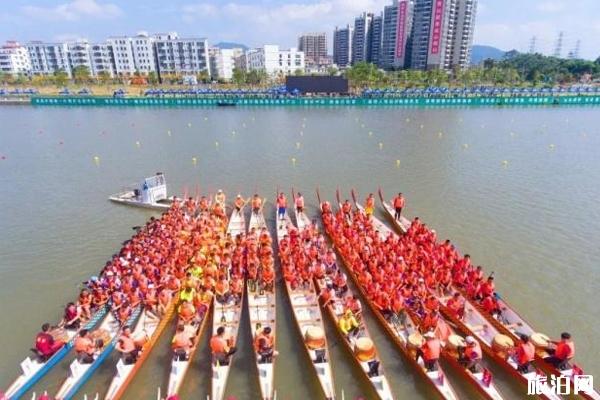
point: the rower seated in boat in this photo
(352, 303)
(267, 277)
(221, 347)
(85, 304)
(430, 351)
(187, 312)
(456, 306)
(561, 352)
(84, 347)
(348, 324)
(127, 347)
(524, 354)
(327, 295)
(187, 294)
(470, 356)
(72, 317)
(236, 288)
(490, 306)
(182, 343)
(45, 342)
(263, 345)
(340, 283)
(222, 293)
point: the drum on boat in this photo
(502, 344)
(314, 338)
(415, 340)
(100, 336)
(539, 340)
(364, 349)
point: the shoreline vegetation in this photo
(515, 70)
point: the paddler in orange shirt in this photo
(561, 352)
(398, 206)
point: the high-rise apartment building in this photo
(47, 58)
(273, 61)
(14, 58)
(102, 58)
(80, 55)
(181, 56)
(122, 50)
(342, 46)
(374, 40)
(223, 61)
(360, 38)
(314, 47)
(443, 33)
(144, 54)
(397, 34)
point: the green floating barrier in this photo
(313, 101)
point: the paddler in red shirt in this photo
(45, 344)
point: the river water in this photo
(517, 188)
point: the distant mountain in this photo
(231, 45)
(481, 53)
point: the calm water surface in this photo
(517, 188)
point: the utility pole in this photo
(532, 44)
(559, 44)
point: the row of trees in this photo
(515, 69)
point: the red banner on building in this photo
(438, 18)
(401, 29)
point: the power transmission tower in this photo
(532, 45)
(559, 44)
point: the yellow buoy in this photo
(362, 125)
(96, 160)
(189, 124)
(194, 160)
(216, 144)
(233, 133)
(380, 145)
(138, 144)
(422, 126)
(169, 133)
(297, 145)
(397, 163)
(294, 161)
(465, 146)
(551, 146)
(440, 134)
(407, 119)
(370, 133)
(505, 163)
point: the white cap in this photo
(470, 339)
(220, 191)
(429, 335)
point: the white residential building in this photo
(47, 58)
(14, 59)
(102, 59)
(123, 54)
(80, 55)
(181, 56)
(223, 61)
(144, 54)
(274, 61)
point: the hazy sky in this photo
(506, 24)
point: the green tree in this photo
(203, 76)
(299, 72)
(256, 77)
(104, 77)
(239, 76)
(60, 78)
(81, 74)
(152, 78)
(332, 71)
